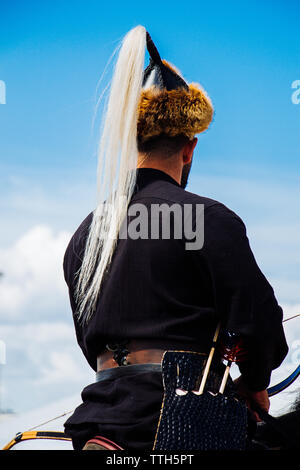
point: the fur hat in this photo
(168, 104)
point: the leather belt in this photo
(143, 356)
(133, 352)
(133, 369)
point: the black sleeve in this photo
(244, 299)
(71, 264)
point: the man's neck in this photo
(175, 171)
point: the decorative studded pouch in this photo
(192, 418)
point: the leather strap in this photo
(107, 359)
(117, 372)
(124, 353)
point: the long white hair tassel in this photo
(116, 172)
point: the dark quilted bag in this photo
(198, 422)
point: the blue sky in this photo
(246, 54)
(52, 54)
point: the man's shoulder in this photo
(193, 198)
(215, 210)
(214, 206)
(171, 194)
(77, 242)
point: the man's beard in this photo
(185, 174)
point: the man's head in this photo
(170, 154)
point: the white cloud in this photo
(43, 356)
(286, 290)
(33, 282)
(45, 360)
(37, 334)
(60, 367)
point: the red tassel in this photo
(232, 348)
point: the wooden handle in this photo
(208, 363)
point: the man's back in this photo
(158, 290)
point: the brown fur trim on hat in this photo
(173, 112)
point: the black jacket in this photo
(156, 289)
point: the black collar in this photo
(145, 176)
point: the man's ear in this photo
(188, 150)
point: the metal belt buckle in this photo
(120, 352)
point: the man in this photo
(136, 293)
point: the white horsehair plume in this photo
(117, 162)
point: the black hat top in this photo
(163, 76)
